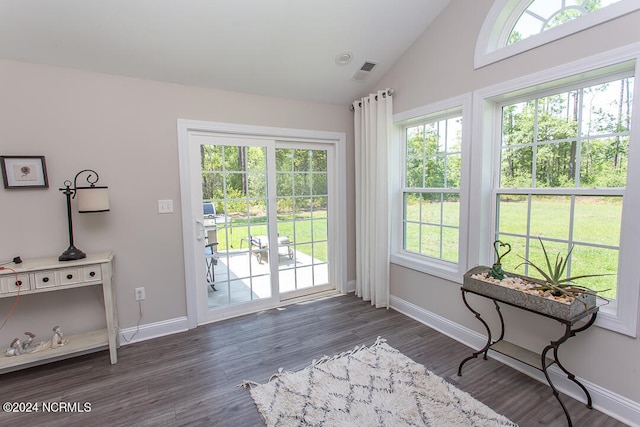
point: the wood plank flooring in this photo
(191, 378)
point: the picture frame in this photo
(24, 172)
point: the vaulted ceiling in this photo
(281, 48)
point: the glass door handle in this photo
(199, 230)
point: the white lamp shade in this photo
(92, 199)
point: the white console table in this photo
(50, 275)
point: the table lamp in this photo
(90, 199)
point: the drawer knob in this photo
(45, 279)
(18, 282)
(69, 276)
(92, 274)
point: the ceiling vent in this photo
(364, 71)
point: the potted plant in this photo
(555, 280)
(555, 295)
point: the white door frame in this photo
(338, 231)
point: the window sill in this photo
(442, 269)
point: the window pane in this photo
(537, 257)
(597, 220)
(284, 159)
(412, 206)
(434, 172)
(235, 184)
(412, 237)
(212, 185)
(301, 160)
(607, 108)
(526, 26)
(319, 205)
(513, 214)
(512, 261)
(211, 156)
(431, 207)
(430, 241)
(593, 260)
(302, 231)
(302, 184)
(517, 123)
(557, 117)
(319, 252)
(516, 171)
(432, 138)
(256, 159)
(284, 184)
(454, 135)
(451, 210)
(603, 162)
(233, 157)
(450, 237)
(415, 169)
(257, 184)
(319, 230)
(285, 206)
(556, 165)
(550, 217)
(415, 141)
(319, 184)
(454, 163)
(319, 160)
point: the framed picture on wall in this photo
(24, 172)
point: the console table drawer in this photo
(8, 283)
(69, 276)
(92, 273)
(45, 279)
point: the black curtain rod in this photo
(388, 92)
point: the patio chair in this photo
(211, 254)
(262, 243)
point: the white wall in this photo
(439, 66)
(126, 130)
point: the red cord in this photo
(13, 307)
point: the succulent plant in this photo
(554, 277)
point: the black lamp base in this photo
(71, 254)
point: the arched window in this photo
(515, 26)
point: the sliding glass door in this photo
(263, 234)
(302, 206)
(234, 184)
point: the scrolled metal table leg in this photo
(486, 346)
(571, 376)
(554, 345)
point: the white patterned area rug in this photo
(368, 386)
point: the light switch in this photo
(165, 206)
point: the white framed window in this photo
(515, 26)
(543, 15)
(564, 166)
(431, 232)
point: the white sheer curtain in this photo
(373, 123)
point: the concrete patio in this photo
(239, 276)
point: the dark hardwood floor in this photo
(191, 378)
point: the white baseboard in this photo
(153, 330)
(606, 401)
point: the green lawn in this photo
(597, 221)
(307, 233)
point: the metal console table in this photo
(540, 361)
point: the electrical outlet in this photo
(140, 295)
